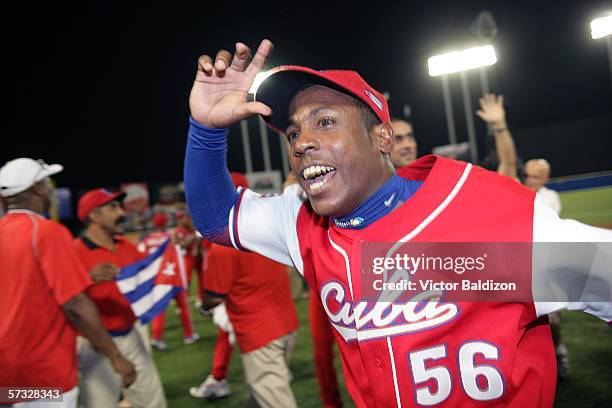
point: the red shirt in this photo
(257, 295)
(451, 352)
(39, 272)
(114, 309)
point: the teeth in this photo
(317, 185)
(314, 171)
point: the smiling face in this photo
(338, 161)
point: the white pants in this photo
(101, 385)
(69, 400)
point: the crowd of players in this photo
(67, 325)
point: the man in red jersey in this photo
(258, 299)
(148, 245)
(395, 354)
(42, 289)
(103, 249)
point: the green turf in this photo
(588, 339)
(592, 206)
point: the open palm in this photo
(218, 97)
(492, 109)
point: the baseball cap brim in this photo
(118, 196)
(280, 86)
(50, 170)
(89, 201)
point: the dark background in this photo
(102, 88)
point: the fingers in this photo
(261, 56)
(252, 108)
(480, 114)
(205, 64)
(482, 103)
(222, 61)
(241, 57)
(490, 100)
(238, 61)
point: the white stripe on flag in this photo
(130, 284)
(146, 302)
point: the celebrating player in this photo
(340, 138)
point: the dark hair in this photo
(367, 115)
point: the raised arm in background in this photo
(493, 113)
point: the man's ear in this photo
(93, 216)
(40, 188)
(383, 133)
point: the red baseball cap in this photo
(282, 83)
(94, 199)
(160, 219)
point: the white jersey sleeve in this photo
(571, 265)
(267, 225)
(550, 198)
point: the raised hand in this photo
(492, 110)
(218, 97)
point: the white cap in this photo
(20, 174)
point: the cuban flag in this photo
(149, 285)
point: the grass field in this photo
(588, 339)
(591, 206)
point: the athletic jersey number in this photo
(490, 386)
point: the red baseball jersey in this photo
(435, 352)
(257, 295)
(39, 272)
(190, 253)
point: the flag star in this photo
(169, 269)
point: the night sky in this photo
(103, 88)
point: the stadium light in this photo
(458, 61)
(461, 61)
(259, 78)
(601, 27)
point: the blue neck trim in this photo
(392, 194)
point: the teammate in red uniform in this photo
(155, 239)
(103, 251)
(148, 245)
(433, 351)
(42, 276)
(257, 295)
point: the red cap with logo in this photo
(282, 83)
(94, 199)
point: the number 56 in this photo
(469, 373)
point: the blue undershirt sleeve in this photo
(209, 189)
